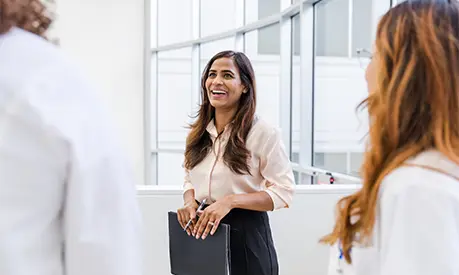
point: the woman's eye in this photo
(228, 76)
(212, 75)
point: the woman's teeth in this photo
(218, 92)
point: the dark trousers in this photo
(252, 247)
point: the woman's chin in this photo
(217, 103)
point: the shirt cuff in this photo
(278, 202)
(187, 186)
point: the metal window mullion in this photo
(240, 22)
(350, 29)
(150, 92)
(307, 53)
(285, 89)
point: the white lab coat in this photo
(67, 198)
(417, 225)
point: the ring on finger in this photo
(211, 223)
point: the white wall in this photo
(107, 38)
(296, 231)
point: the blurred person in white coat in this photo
(67, 199)
(405, 218)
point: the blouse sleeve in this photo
(276, 168)
(187, 181)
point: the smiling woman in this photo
(238, 164)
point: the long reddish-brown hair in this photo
(30, 15)
(415, 106)
(199, 144)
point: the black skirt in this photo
(252, 246)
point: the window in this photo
(267, 77)
(332, 27)
(174, 110)
(174, 97)
(171, 30)
(259, 9)
(361, 25)
(356, 160)
(339, 86)
(334, 162)
(210, 49)
(170, 170)
(217, 16)
(268, 37)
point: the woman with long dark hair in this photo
(67, 196)
(405, 218)
(237, 162)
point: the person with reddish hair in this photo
(405, 218)
(67, 197)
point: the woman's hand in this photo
(187, 212)
(210, 218)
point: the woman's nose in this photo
(218, 80)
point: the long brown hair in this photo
(30, 15)
(199, 143)
(415, 106)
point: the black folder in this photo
(189, 256)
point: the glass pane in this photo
(170, 170)
(361, 25)
(260, 9)
(356, 162)
(334, 162)
(174, 97)
(339, 86)
(296, 78)
(332, 28)
(170, 29)
(208, 50)
(266, 68)
(217, 16)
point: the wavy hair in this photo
(415, 106)
(30, 15)
(199, 143)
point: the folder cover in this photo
(189, 256)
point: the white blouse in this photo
(67, 197)
(417, 226)
(269, 165)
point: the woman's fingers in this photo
(211, 227)
(180, 219)
(183, 217)
(201, 225)
(214, 228)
